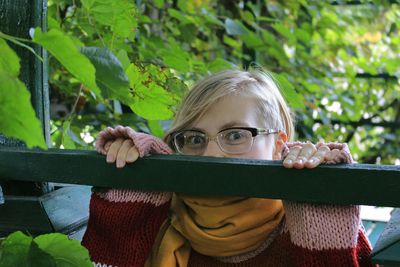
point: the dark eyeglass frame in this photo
(254, 132)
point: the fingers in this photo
(113, 150)
(307, 151)
(123, 152)
(291, 157)
(108, 145)
(133, 154)
(318, 158)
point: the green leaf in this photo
(123, 57)
(156, 128)
(235, 27)
(63, 49)
(15, 249)
(183, 18)
(66, 252)
(219, 64)
(66, 140)
(177, 58)
(152, 102)
(18, 116)
(110, 75)
(9, 60)
(39, 258)
(285, 32)
(294, 99)
(119, 15)
(159, 3)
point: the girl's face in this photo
(236, 111)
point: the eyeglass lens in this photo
(232, 141)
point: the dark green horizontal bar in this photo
(342, 184)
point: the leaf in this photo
(63, 49)
(66, 140)
(292, 97)
(15, 249)
(119, 15)
(123, 57)
(18, 116)
(156, 128)
(177, 58)
(219, 64)
(159, 3)
(152, 102)
(9, 60)
(235, 27)
(66, 252)
(285, 32)
(39, 258)
(110, 75)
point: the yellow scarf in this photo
(213, 226)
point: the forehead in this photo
(228, 112)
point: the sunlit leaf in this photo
(294, 99)
(63, 49)
(119, 15)
(18, 116)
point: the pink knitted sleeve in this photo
(145, 143)
(343, 154)
(326, 235)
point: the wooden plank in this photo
(387, 248)
(343, 184)
(23, 214)
(16, 18)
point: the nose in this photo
(213, 150)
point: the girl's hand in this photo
(121, 151)
(308, 155)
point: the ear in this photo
(280, 142)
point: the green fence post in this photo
(21, 202)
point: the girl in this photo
(229, 114)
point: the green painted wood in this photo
(16, 18)
(387, 249)
(24, 214)
(341, 184)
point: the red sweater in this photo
(123, 225)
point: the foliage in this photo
(49, 250)
(146, 54)
(21, 121)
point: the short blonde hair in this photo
(253, 83)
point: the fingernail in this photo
(299, 161)
(110, 158)
(289, 161)
(119, 163)
(311, 161)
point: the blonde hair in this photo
(253, 83)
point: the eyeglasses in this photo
(236, 140)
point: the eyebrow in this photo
(225, 126)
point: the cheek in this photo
(262, 149)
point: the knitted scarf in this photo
(213, 226)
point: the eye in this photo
(234, 136)
(194, 140)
